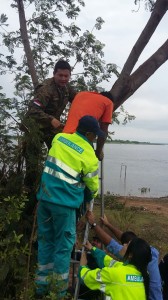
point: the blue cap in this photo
(90, 124)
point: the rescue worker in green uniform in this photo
(43, 115)
(128, 280)
(71, 165)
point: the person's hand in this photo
(60, 128)
(123, 250)
(83, 260)
(80, 226)
(90, 217)
(104, 220)
(88, 245)
(55, 123)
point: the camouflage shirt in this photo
(49, 102)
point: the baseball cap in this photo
(90, 124)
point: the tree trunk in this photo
(127, 84)
(26, 43)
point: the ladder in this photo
(86, 234)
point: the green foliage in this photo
(3, 19)
(53, 34)
(149, 4)
(13, 247)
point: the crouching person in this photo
(128, 280)
(70, 167)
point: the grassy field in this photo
(147, 217)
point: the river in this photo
(137, 170)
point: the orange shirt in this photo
(88, 103)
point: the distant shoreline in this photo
(133, 142)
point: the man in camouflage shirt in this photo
(51, 98)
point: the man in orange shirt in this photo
(98, 105)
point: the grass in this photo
(148, 225)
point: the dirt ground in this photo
(156, 205)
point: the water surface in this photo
(137, 170)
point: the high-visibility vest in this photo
(71, 165)
(118, 280)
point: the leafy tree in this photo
(41, 40)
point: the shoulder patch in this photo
(38, 103)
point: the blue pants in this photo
(56, 237)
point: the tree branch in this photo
(159, 11)
(142, 74)
(160, 8)
(25, 40)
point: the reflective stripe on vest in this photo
(90, 175)
(112, 262)
(99, 279)
(63, 166)
(103, 287)
(98, 276)
(60, 175)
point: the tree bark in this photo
(127, 84)
(26, 43)
(141, 75)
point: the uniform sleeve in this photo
(107, 115)
(96, 279)
(101, 258)
(154, 274)
(38, 105)
(91, 176)
(114, 247)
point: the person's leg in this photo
(45, 247)
(64, 222)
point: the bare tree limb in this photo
(143, 73)
(26, 43)
(160, 8)
(159, 11)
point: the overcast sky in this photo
(119, 33)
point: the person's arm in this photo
(37, 108)
(72, 93)
(101, 141)
(94, 279)
(90, 174)
(104, 237)
(98, 254)
(112, 246)
(117, 232)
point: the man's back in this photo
(88, 103)
(71, 164)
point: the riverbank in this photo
(147, 217)
(154, 205)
